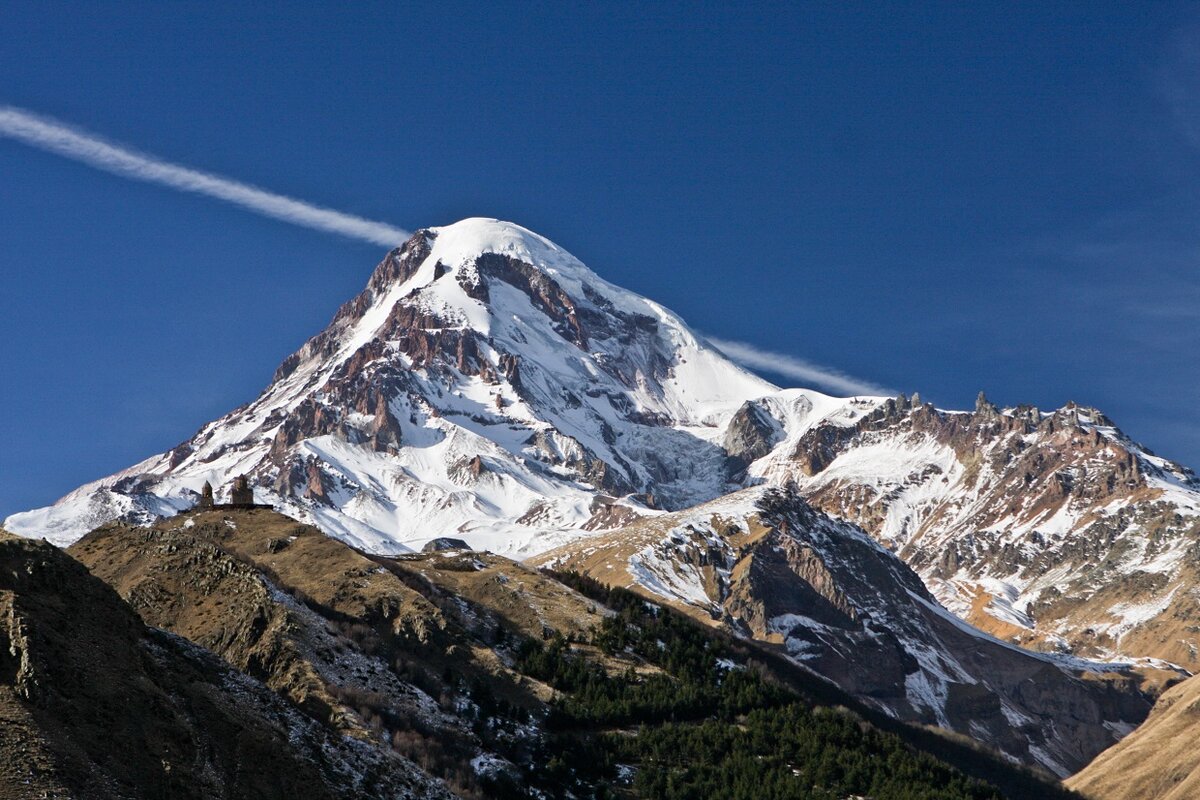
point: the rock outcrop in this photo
(1051, 530)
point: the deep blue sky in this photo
(928, 198)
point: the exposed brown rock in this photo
(1018, 468)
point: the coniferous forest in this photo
(703, 716)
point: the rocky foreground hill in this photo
(96, 704)
(243, 654)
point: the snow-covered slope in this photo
(1051, 529)
(485, 384)
(488, 386)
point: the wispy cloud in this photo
(1179, 80)
(797, 368)
(64, 140)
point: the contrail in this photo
(792, 367)
(56, 137)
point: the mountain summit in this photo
(485, 384)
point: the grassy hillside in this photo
(507, 682)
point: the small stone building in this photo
(241, 494)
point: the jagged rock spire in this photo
(984, 407)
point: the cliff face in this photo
(96, 705)
(765, 564)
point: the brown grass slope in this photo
(380, 648)
(1158, 761)
(96, 705)
(388, 651)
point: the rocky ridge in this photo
(1053, 530)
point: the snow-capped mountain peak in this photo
(485, 383)
(488, 386)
